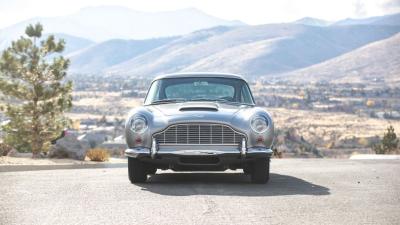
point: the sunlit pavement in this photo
(300, 191)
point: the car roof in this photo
(199, 74)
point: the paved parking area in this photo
(300, 191)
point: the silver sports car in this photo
(199, 121)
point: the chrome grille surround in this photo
(199, 134)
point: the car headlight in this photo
(139, 125)
(259, 124)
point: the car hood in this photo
(197, 111)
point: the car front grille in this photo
(199, 134)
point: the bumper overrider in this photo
(180, 154)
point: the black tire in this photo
(151, 170)
(137, 171)
(260, 173)
(247, 169)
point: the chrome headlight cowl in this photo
(139, 125)
(259, 124)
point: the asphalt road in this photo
(300, 191)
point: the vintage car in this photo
(199, 122)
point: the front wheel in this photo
(260, 172)
(248, 169)
(151, 170)
(137, 171)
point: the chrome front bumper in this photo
(199, 150)
(256, 152)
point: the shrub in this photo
(276, 152)
(98, 154)
(370, 103)
(364, 142)
(4, 149)
(92, 143)
(389, 142)
(330, 145)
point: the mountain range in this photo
(190, 40)
(377, 60)
(252, 50)
(313, 22)
(393, 19)
(115, 22)
(95, 58)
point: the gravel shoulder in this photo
(13, 164)
(28, 160)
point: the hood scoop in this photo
(199, 107)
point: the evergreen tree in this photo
(389, 142)
(32, 74)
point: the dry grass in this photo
(321, 128)
(96, 104)
(98, 155)
(104, 99)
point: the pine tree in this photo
(389, 142)
(32, 74)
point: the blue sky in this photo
(248, 11)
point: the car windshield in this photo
(170, 90)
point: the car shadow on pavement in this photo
(231, 184)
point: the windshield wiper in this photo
(165, 101)
(219, 100)
(232, 103)
(203, 99)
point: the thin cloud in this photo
(392, 4)
(250, 11)
(360, 9)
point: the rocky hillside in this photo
(253, 50)
(376, 61)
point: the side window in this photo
(245, 96)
